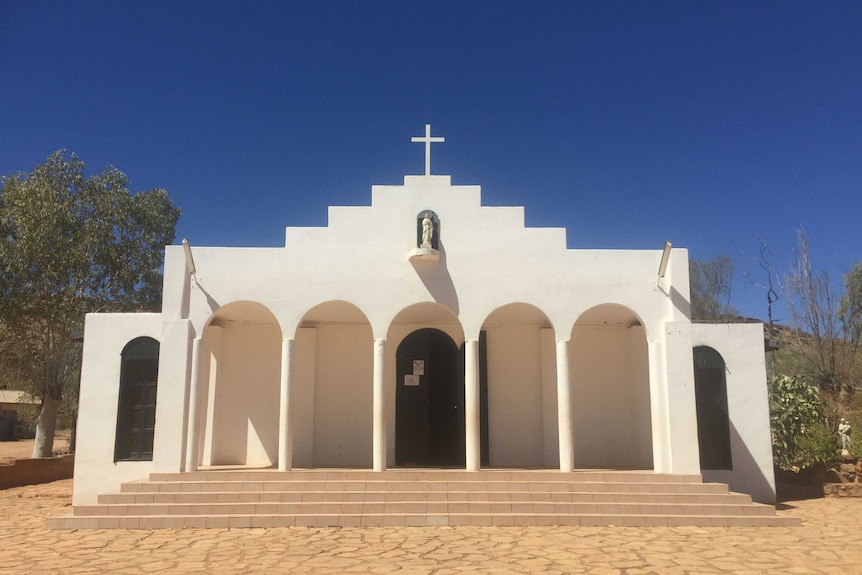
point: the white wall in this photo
(741, 347)
(105, 336)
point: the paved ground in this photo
(830, 541)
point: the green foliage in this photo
(70, 245)
(800, 430)
(711, 283)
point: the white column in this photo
(285, 421)
(379, 406)
(564, 408)
(194, 386)
(471, 405)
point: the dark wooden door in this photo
(429, 401)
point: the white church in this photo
(425, 332)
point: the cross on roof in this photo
(428, 140)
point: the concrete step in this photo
(440, 486)
(431, 508)
(507, 475)
(207, 497)
(418, 520)
(318, 498)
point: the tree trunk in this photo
(45, 424)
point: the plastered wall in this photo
(105, 337)
(741, 347)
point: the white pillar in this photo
(285, 421)
(379, 406)
(471, 405)
(564, 408)
(194, 386)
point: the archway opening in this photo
(609, 367)
(240, 380)
(332, 370)
(519, 418)
(429, 401)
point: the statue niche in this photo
(427, 230)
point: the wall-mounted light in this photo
(665, 256)
(190, 261)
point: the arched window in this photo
(136, 412)
(713, 419)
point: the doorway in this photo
(429, 401)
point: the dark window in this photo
(136, 413)
(713, 420)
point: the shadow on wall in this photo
(746, 476)
(680, 303)
(437, 281)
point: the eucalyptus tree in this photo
(70, 245)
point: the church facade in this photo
(424, 330)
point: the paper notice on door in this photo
(418, 367)
(411, 379)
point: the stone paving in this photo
(830, 541)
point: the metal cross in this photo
(428, 140)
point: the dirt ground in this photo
(23, 448)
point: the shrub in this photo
(801, 434)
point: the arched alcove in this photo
(609, 371)
(332, 376)
(240, 380)
(519, 418)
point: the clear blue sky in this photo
(628, 123)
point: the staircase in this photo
(418, 497)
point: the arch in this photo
(241, 312)
(332, 392)
(713, 417)
(519, 415)
(610, 315)
(136, 408)
(610, 383)
(239, 382)
(333, 312)
(425, 314)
